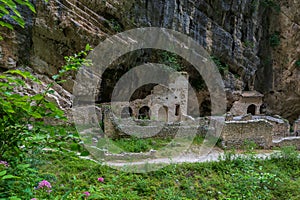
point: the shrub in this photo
(19, 110)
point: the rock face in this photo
(281, 69)
(236, 32)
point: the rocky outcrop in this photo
(282, 90)
(236, 32)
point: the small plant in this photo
(275, 39)
(250, 146)
(248, 44)
(171, 60)
(223, 68)
(298, 63)
(289, 153)
(271, 4)
(115, 25)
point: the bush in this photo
(23, 133)
(19, 110)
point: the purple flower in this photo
(101, 179)
(87, 194)
(43, 184)
(2, 162)
(34, 199)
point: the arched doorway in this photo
(126, 112)
(163, 114)
(251, 109)
(205, 108)
(144, 113)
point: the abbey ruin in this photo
(164, 110)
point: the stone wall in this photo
(297, 127)
(236, 133)
(281, 127)
(245, 100)
(288, 141)
(85, 115)
(165, 103)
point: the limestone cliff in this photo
(235, 32)
(280, 75)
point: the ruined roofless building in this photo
(249, 102)
(165, 103)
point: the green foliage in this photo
(248, 44)
(223, 67)
(239, 178)
(19, 111)
(115, 25)
(20, 183)
(10, 8)
(297, 64)
(271, 4)
(171, 60)
(250, 146)
(235, 177)
(139, 144)
(275, 39)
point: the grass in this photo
(137, 145)
(274, 178)
(277, 177)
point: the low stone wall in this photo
(288, 141)
(297, 127)
(236, 133)
(281, 127)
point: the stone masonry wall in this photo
(235, 134)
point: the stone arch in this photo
(144, 112)
(163, 114)
(126, 112)
(251, 109)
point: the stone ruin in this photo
(248, 102)
(297, 127)
(163, 104)
(168, 106)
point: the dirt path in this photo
(190, 157)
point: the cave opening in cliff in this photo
(125, 63)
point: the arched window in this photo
(126, 112)
(251, 109)
(144, 113)
(163, 114)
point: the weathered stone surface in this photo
(288, 141)
(296, 127)
(282, 75)
(237, 32)
(236, 133)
